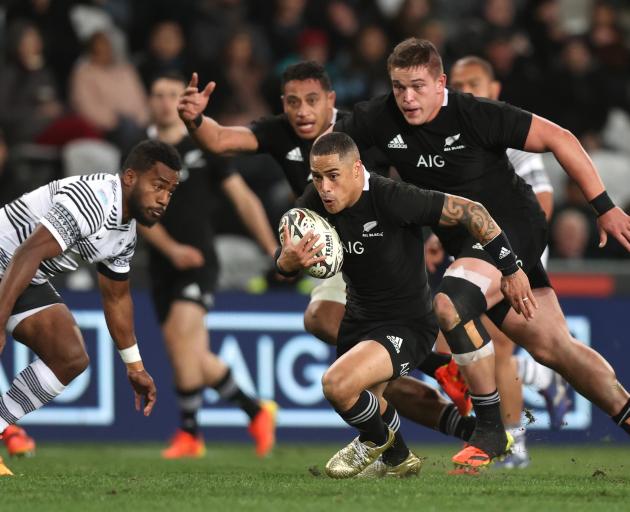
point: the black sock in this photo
(228, 390)
(433, 361)
(365, 416)
(489, 434)
(189, 403)
(488, 410)
(621, 419)
(454, 424)
(398, 451)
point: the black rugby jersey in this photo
(276, 137)
(383, 247)
(188, 216)
(462, 151)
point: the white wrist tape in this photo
(130, 355)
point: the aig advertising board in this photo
(263, 340)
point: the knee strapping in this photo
(468, 299)
(469, 342)
(469, 335)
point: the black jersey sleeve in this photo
(219, 168)
(357, 125)
(406, 204)
(495, 124)
(265, 130)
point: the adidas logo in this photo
(397, 143)
(478, 246)
(396, 341)
(295, 155)
(504, 252)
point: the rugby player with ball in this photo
(389, 326)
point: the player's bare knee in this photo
(544, 353)
(73, 364)
(337, 387)
(445, 311)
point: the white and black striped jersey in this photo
(84, 214)
(531, 168)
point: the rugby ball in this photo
(300, 221)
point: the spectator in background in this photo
(493, 18)
(578, 99)
(28, 93)
(566, 226)
(214, 21)
(8, 185)
(285, 26)
(606, 40)
(166, 53)
(570, 235)
(342, 25)
(521, 79)
(108, 92)
(52, 19)
(241, 76)
(362, 75)
(542, 22)
(410, 16)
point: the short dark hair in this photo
(335, 143)
(415, 52)
(473, 60)
(145, 154)
(172, 74)
(306, 70)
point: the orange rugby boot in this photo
(18, 442)
(185, 445)
(454, 385)
(263, 427)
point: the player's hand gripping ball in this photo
(300, 221)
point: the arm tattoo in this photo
(472, 215)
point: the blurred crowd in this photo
(74, 77)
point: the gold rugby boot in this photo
(409, 467)
(4, 471)
(356, 456)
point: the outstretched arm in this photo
(547, 136)
(480, 224)
(118, 309)
(182, 256)
(206, 132)
(251, 212)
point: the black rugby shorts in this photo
(407, 341)
(193, 285)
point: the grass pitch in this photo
(119, 477)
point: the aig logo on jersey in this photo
(430, 161)
(353, 247)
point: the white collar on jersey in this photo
(334, 117)
(366, 183)
(445, 100)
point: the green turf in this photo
(117, 478)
